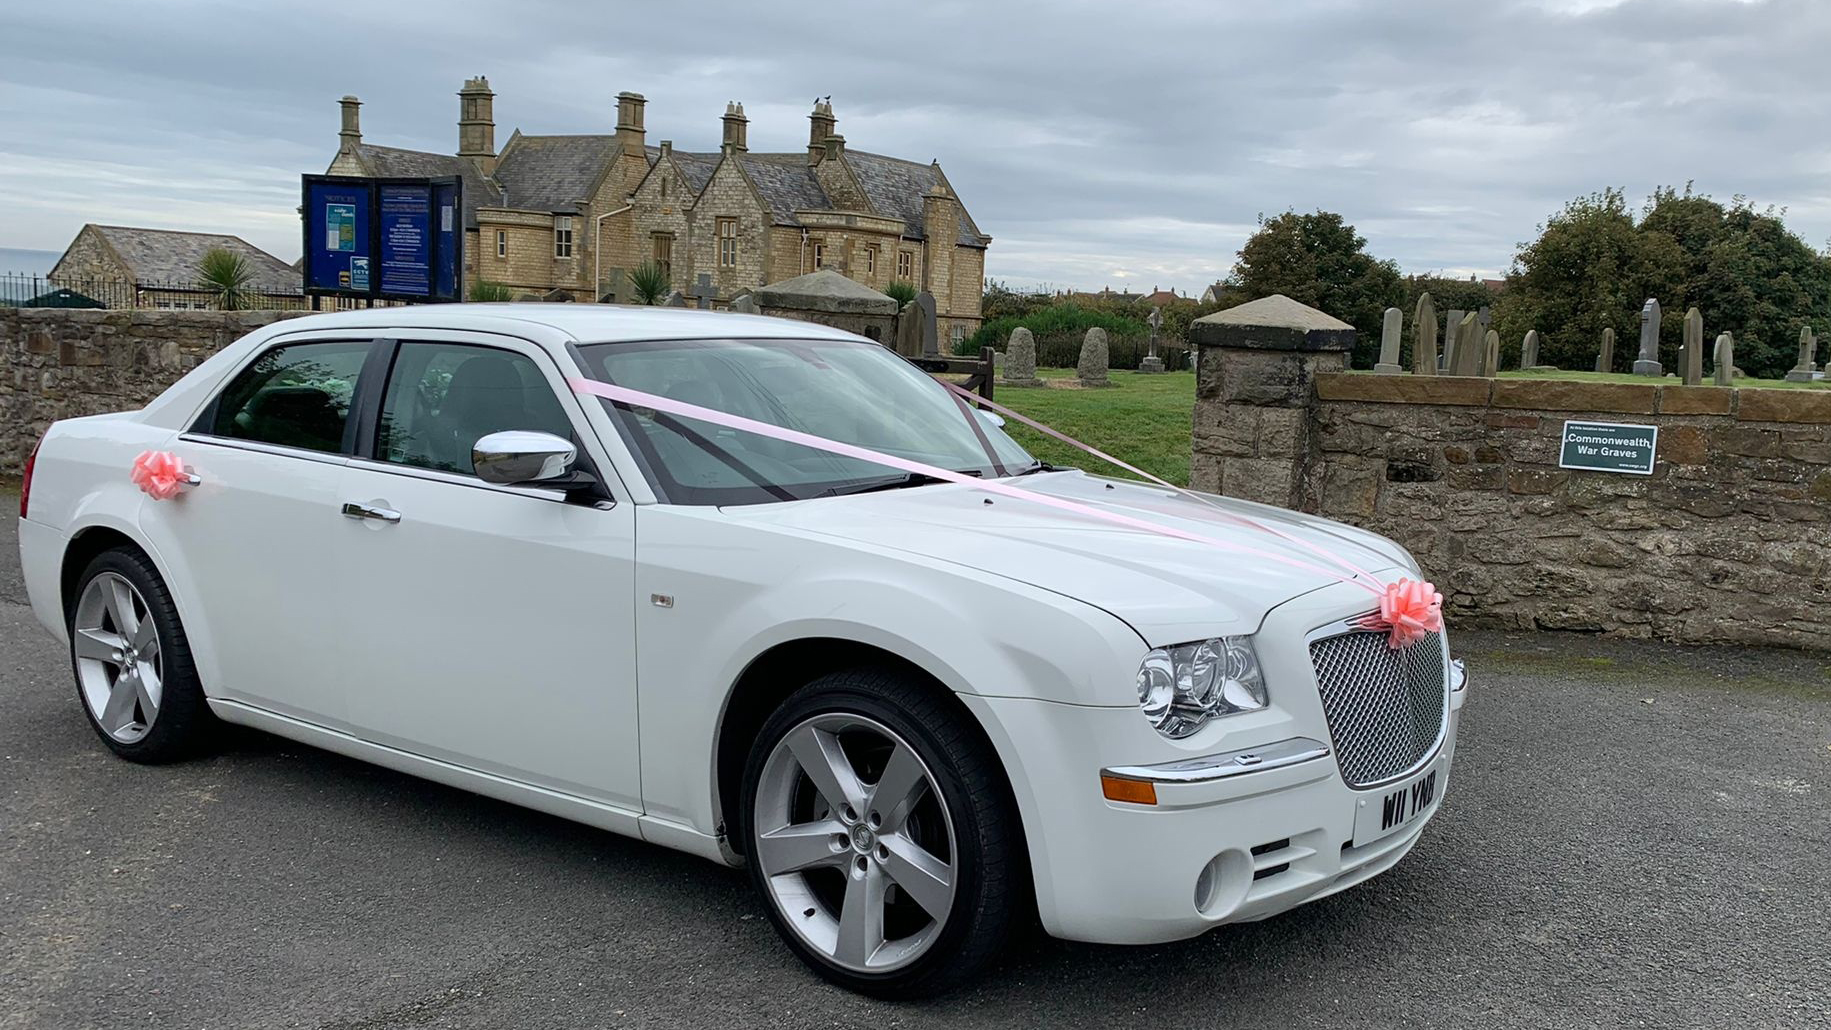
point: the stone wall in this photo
(1729, 540)
(61, 363)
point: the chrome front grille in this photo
(1385, 707)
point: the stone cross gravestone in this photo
(1490, 354)
(1605, 360)
(1691, 359)
(1424, 336)
(1466, 359)
(744, 303)
(1091, 369)
(704, 292)
(1392, 329)
(925, 311)
(676, 299)
(1808, 357)
(1151, 362)
(1529, 350)
(1020, 359)
(1725, 359)
(1648, 362)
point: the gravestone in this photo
(1091, 369)
(1452, 327)
(1605, 361)
(998, 362)
(1529, 349)
(1726, 359)
(676, 299)
(1485, 317)
(925, 317)
(1151, 362)
(1465, 360)
(611, 289)
(1424, 336)
(1648, 362)
(1020, 359)
(1804, 372)
(1691, 359)
(909, 331)
(704, 292)
(1391, 330)
(1490, 354)
(745, 303)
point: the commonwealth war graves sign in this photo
(1608, 447)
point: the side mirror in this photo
(521, 456)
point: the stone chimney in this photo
(737, 128)
(940, 231)
(477, 124)
(630, 135)
(821, 124)
(350, 136)
(834, 146)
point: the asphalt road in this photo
(1635, 836)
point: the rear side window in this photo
(444, 397)
(295, 396)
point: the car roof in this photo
(586, 323)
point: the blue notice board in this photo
(337, 254)
(406, 241)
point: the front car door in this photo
(256, 536)
(487, 626)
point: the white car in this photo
(918, 712)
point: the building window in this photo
(727, 243)
(664, 252)
(905, 264)
(870, 260)
(562, 236)
(819, 254)
(502, 243)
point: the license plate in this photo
(1394, 808)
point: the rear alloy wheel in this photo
(879, 834)
(132, 662)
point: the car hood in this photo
(1169, 590)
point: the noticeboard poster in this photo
(384, 238)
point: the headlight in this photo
(1181, 688)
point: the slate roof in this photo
(697, 168)
(895, 187)
(787, 184)
(168, 257)
(393, 161)
(552, 173)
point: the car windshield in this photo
(857, 393)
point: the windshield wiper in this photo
(893, 483)
(1041, 466)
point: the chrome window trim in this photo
(1364, 623)
(1209, 768)
(455, 479)
(260, 447)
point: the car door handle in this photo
(363, 511)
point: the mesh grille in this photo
(1385, 707)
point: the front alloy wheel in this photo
(881, 833)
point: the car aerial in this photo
(919, 713)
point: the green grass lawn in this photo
(1623, 377)
(1144, 419)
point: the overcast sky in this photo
(1098, 143)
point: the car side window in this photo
(293, 396)
(444, 397)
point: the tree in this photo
(225, 276)
(1319, 260)
(649, 281)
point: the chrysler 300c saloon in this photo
(758, 590)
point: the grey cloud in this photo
(1098, 143)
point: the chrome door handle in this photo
(363, 511)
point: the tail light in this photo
(25, 485)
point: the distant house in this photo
(1163, 298)
(125, 267)
(1214, 294)
(1494, 285)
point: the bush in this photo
(1058, 320)
(485, 291)
(901, 292)
(649, 282)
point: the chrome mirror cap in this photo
(517, 456)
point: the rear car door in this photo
(488, 626)
(256, 534)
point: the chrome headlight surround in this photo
(1182, 688)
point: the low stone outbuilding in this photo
(829, 298)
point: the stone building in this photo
(576, 213)
(125, 267)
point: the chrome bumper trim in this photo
(1459, 684)
(1209, 768)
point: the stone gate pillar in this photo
(1254, 389)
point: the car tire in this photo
(159, 714)
(958, 825)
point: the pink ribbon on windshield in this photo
(638, 398)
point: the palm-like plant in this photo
(649, 281)
(225, 276)
(485, 290)
(901, 292)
